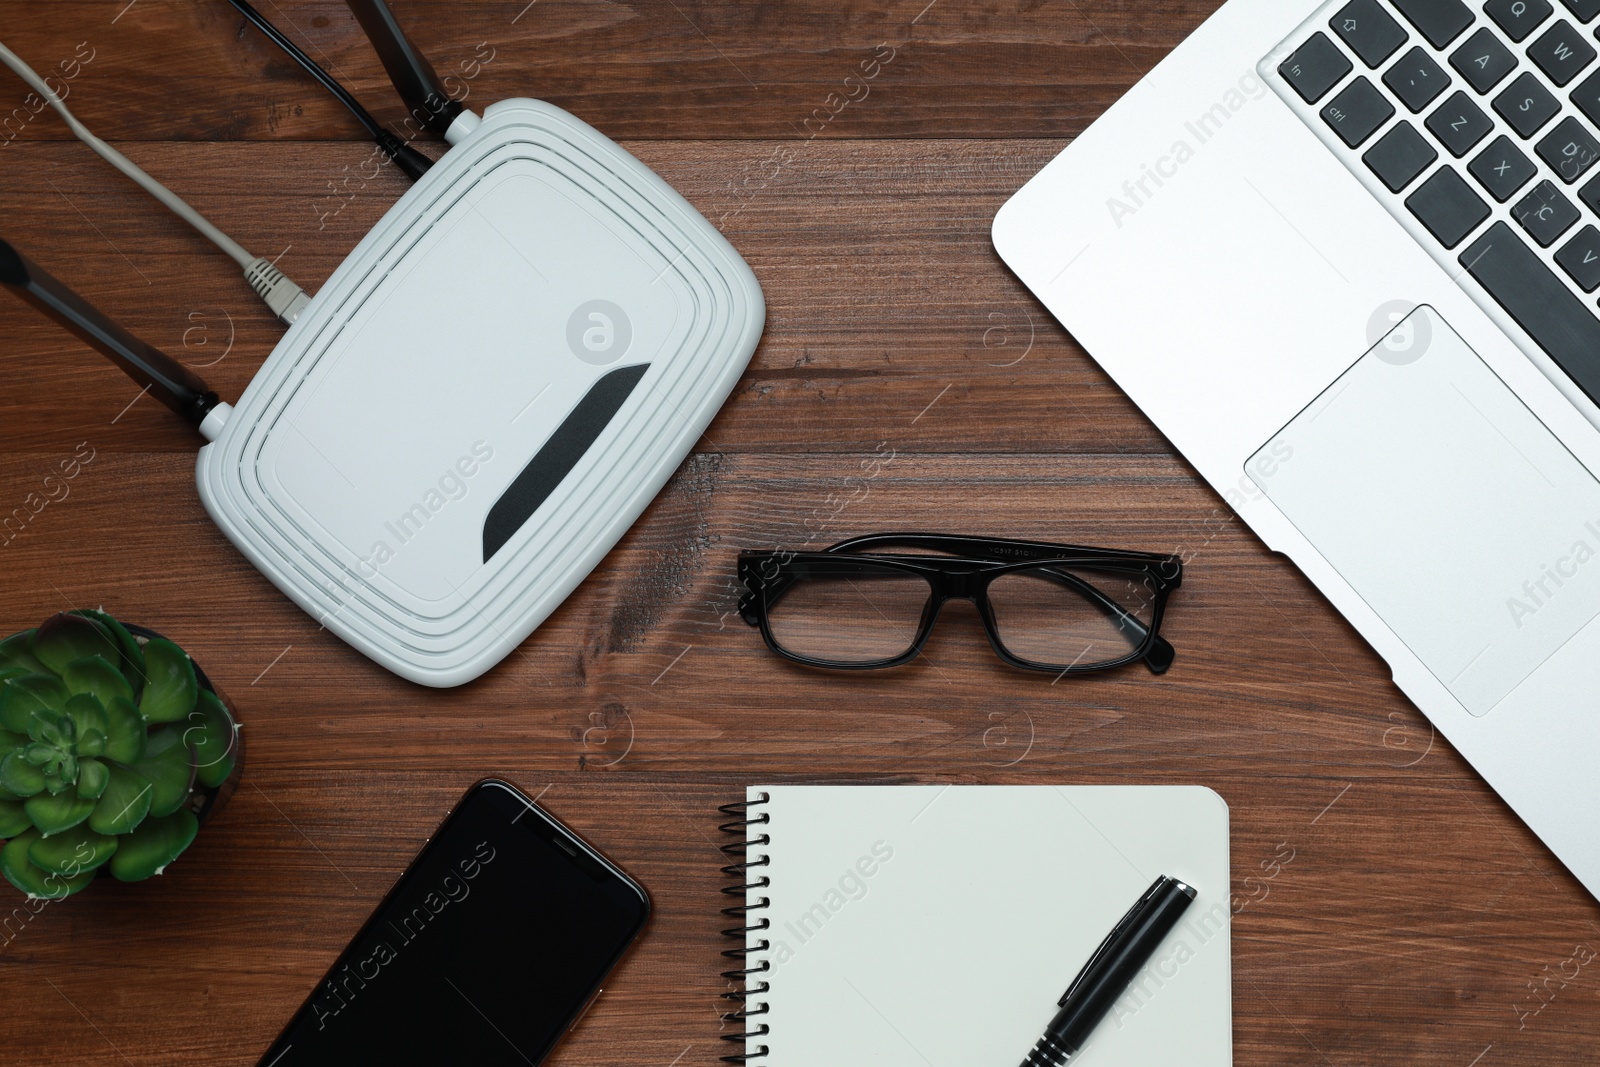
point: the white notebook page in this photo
(936, 926)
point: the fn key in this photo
(1315, 68)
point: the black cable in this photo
(413, 162)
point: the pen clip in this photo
(1118, 931)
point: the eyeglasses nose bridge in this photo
(967, 585)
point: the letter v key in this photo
(1581, 259)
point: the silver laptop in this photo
(1347, 257)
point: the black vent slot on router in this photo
(571, 441)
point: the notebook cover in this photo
(937, 926)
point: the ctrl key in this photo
(1357, 112)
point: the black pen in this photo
(1105, 977)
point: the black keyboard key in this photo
(1459, 124)
(1519, 17)
(1316, 67)
(1448, 207)
(1400, 157)
(1526, 105)
(1590, 194)
(1503, 169)
(1587, 97)
(1417, 80)
(1440, 21)
(1562, 52)
(1581, 259)
(1584, 9)
(1545, 214)
(1559, 323)
(1570, 150)
(1357, 112)
(1484, 61)
(1369, 31)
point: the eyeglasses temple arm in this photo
(999, 549)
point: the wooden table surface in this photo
(1389, 908)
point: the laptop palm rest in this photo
(1470, 530)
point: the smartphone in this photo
(487, 951)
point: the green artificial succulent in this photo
(103, 742)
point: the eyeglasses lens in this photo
(1070, 616)
(851, 614)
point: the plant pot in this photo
(117, 749)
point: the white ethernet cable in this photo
(286, 299)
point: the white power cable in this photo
(285, 298)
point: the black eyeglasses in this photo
(1065, 609)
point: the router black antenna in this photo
(411, 161)
(412, 74)
(170, 381)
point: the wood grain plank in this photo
(649, 69)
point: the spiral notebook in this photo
(936, 926)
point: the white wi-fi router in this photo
(484, 396)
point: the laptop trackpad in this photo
(1448, 507)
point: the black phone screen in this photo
(483, 953)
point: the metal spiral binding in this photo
(741, 976)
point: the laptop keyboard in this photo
(1476, 127)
